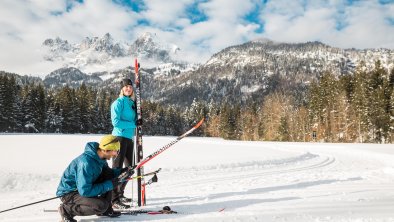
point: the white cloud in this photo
(367, 28)
(163, 13)
(224, 27)
(26, 24)
(228, 11)
(365, 23)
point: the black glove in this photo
(128, 169)
(125, 173)
(139, 122)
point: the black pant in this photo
(126, 156)
(77, 205)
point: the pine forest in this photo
(347, 108)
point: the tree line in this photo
(347, 108)
(30, 108)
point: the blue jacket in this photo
(82, 173)
(124, 117)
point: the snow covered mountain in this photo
(105, 54)
(70, 76)
(148, 46)
(238, 73)
(256, 68)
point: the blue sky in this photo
(199, 27)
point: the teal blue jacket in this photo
(82, 173)
(124, 117)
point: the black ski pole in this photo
(29, 204)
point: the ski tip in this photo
(222, 209)
(199, 123)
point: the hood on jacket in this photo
(91, 151)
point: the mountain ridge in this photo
(243, 72)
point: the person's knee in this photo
(102, 206)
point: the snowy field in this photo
(253, 181)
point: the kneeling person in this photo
(86, 185)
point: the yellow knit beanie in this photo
(109, 142)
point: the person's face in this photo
(127, 90)
(108, 154)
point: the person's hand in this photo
(125, 174)
(139, 122)
(128, 169)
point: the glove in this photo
(125, 173)
(139, 122)
(128, 169)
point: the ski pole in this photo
(162, 149)
(29, 204)
(145, 175)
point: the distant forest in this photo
(347, 108)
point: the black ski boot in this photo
(110, 213)
(167, 210)
(124, 199)
(65, 216)
(119, 206)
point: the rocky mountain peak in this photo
(93, 54)
(104, 44)
(56, 48)
(148, 46)
(55, 42)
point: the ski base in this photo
(135, 212)
(150, 212)
(129, 212)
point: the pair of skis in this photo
(165, 210)
(140, 161)
(138, 136)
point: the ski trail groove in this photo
(328, 160)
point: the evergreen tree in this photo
(284, 129)
(68, 110)
(53, 122)
(3, 103)
(392, 116)
(360, 99)
(227, 122)
(8, 100)
(161, 122)
(39, 109)
(3, 82)
(323, 106)
(301, 125)
(17, 110)
(149, 117)
(34, 108)
(193, 114)
(379, 103)
(104, 101)
(28, 121)
(329, 94)
(85, 103)
(174, 121)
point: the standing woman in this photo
(124, 117)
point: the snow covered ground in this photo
(253, 181)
